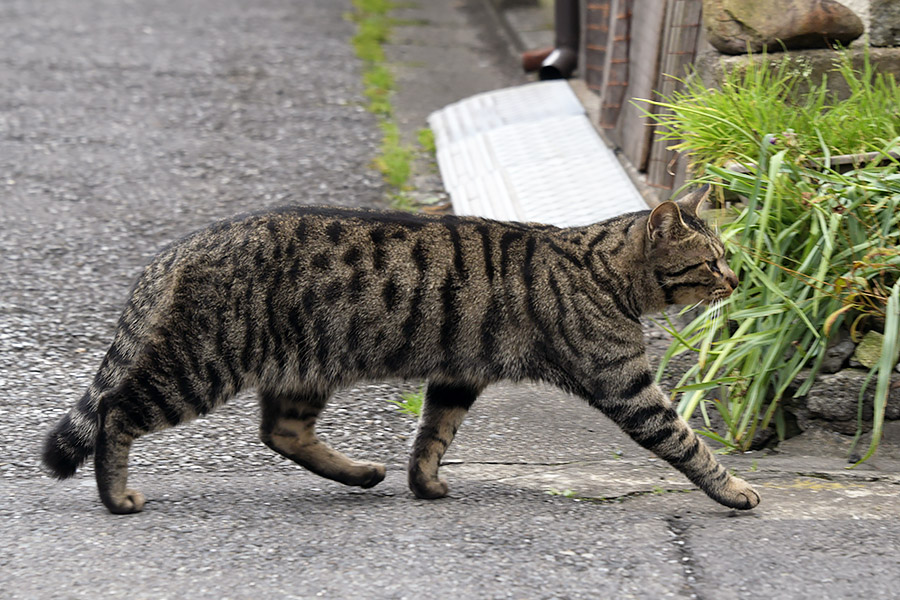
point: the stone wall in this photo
(881, 19)
(711, 65)
(833, 402)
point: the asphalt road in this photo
(125, 124)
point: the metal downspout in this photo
(561, 63)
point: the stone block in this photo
(884, 29)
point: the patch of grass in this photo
(373, 28)
(395, 158)
(815, 249)
(717, 126)
(379, 85)
(410, 403)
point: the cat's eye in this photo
(713, 266)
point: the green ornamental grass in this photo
(816, 249)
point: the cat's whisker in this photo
(713, 324)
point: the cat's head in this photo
(687, 258)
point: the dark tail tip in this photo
(63, 453)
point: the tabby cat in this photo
(302, 301)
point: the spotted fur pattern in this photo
(302, 301)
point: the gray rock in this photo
(884, 29)
(837, 355)
(833, 402)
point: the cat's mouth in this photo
(719, 294)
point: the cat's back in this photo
(311, 241)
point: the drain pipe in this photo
(561, 63)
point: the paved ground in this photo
(126, 124)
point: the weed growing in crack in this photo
(394, 159)
(425, 136)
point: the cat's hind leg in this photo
(144, 402)
(288, 427)
(117, 432)
(445, 407)
(168, 382)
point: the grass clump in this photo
(425, 137)
(410, 403)
(766, 96)
(395, 158)
(373, 29)
(816, 249)
(379, 85)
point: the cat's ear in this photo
(664, 220)
(691, 203)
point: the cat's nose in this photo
(732, 280)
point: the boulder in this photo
(734, 26)
(838, 353)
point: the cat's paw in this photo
(738, 494)
(373, 475)
(429, 489)
(132, 501)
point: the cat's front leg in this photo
(642, 410)
(445, 407)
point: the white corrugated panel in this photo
(529, 153)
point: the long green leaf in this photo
(890, 351)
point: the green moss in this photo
(425, 137)
(394, 159)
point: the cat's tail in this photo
(69, 444)
(73, 438)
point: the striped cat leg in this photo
(145, 401)
(158, 391)
(117, 432)
(288, 428)
(445, 407)
(644, 413)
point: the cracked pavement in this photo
(124, 124)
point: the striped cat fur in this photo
(302, 301)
